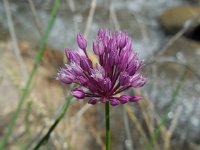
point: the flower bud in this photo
(64, 77)
(114, 102)
(106, 84)
(128, 45)
(72, 55)
(114, 58)
(98, 48)
(82, 43)
(137, 80)
(127, 98)
(76, 69)
(112, 45)
(124, 78)
(92, 101)
(139, 83)
(123, 60)
(121, 39)
(78, 93)
(83, 81)
(85, 64)
(135, 98)
(124, 99)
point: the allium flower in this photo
(117, 70)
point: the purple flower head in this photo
(117, 70)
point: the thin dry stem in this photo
(142, 27)
(172, 128)
(82, 111)
(72, 6)
(14, 40)
(175, 120)
(114, 18)
(129, 146)
(36, 17)
(97, 136)
(145, 112)
(90, 18)
(173, 60)
(143, 107)
(136, 122)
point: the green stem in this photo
(53, 126)
(32, 74)
(107, 115)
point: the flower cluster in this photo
(118, 69)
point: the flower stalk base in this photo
(107, 116)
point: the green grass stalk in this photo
(45, 138)
(38, 59)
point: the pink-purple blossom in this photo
(117, 70)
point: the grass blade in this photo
(38, 59)
(53, 126)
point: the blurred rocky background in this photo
(165, 32)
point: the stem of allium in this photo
(107, 115)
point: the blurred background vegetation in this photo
(33, 34)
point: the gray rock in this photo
(173, 19)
